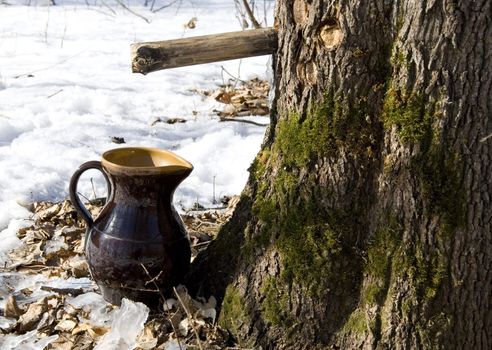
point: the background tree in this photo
(366, 220)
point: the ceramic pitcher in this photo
(137, 247)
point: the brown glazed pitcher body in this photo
(138, 242)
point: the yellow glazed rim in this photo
(143, 160)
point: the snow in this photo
(66, 89)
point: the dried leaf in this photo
(224, 97)
(79, 267)
(46, 213)
(66, 325)
(65, 342)
(117, 140)
(32, 316)
(56, 248)
(21, 233)
(94, 331)
(146, 339)
(249, 98)
(47, 319)
(191, 23)
(184, 327)
(11, 308)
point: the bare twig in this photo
(131, 11)
(49, 67)
(46, 27)
(201, 244)
(164, 6)
(485, 138)
(225, 119)
(152, 279)
(93, 188)
(265, 21)
(81, 195)
(190, 316)
(96, 9)
(155, 278)
(236, 79)
(151, 6)
(108, 7)
(72, 291)
(54, 94)
(251, 15)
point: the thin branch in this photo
(108, 7)
(225, 119)
(251, 15)
(190, 316)
(81, 195)
(164, 6)
(153, 279)
(223, 70)
(131, 11)
(54, 94)
(486, 138)
(72, 291)
(49, 67)
(93, 188)
(151, 6)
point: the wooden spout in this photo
(153, 56)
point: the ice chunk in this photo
(128, 322)
(28, 341)
(100, 310)
(71, 283)
(14, 283)
(84, 283)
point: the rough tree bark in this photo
(366, 220)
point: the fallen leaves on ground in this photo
(241, 99)
(45, 314)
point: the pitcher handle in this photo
(76, 202)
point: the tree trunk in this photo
(366, 220)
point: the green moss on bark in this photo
(409, 113)
(379, 263)
(233, 312)
(274, 304)
(329, 126)
(356, 323)
(316, 244)
(313, 250)
(439, 172)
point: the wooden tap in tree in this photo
(152, 56)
